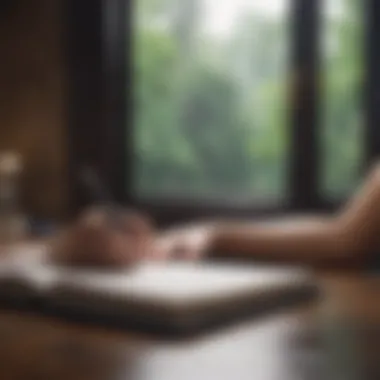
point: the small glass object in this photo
(12, 221)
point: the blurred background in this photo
(32, 100)
(189, 109)
(212, 88)
(191, 105)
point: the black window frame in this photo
(98, 38)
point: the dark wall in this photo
(32, 88)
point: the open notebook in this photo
(172, 297)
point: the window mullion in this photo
(304, 110)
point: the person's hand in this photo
(189, 243)
(95, 240)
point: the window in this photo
(209, 105)
(342, 120)
(210, 118)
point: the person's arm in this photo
(296, 240)
(300, 241)
(341, 240)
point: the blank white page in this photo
(172, 293)
(179, 283)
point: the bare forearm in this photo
(316, 242)
(347, 238)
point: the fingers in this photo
(179, 246)
(160, 249)
(136, 224)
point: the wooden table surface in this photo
(281, 347)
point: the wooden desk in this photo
(40, 348)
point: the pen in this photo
(100, 195)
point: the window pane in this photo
(342, 110)
(210, 89)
